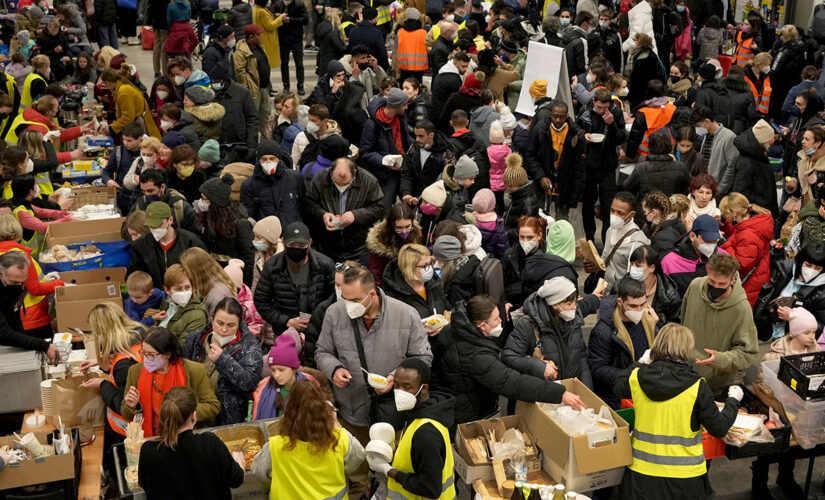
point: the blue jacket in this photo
(280, 194)
(116, 169)
(178, 11)
(790, 111)
(377, 142)
(136, 311)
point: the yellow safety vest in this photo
(299, 473)
(11, 85)
(383, 13)
(42, 179)
(30, 300)
(437, 29)
(26, 98)
(403, 462)
(663, 443)
(18, 121)
(35, 242)
(344, 26)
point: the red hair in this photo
(537, 224)
(703, 180)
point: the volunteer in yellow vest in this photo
(9, 104)
(352, 17)
(746, 42)
(311, 454)
(422, 466)
(35, 84)
(673, 406)
(35, 313)
(411, 51)
(33, 218)
(118, 339)
(384, 19)
(180, 463)
(756, 74)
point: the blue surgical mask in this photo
(810, 152)
(680, 8)
(564, 21)
(637, 273)
(504, 57)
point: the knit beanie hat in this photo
(413, 13)
(268, 147)
(800, 321)
(447, 247)
(173, 139)
(763, 132)
(283, 352)
(496, 135)
(234, 269)
(435, 194)
(269, 228)
(538, 89)
(116, 61)
(218, 189)
(508, 121)
(334, 67)
(210, 151)
(465, 168)
(24, 36)
(199, 94)
(474, 80)
(556, 290)
(561, 240)
(707, 72)
(396, 98)
(484, 206)
(36, 12)
(514, 175)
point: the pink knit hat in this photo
(801, 321)
(235, 271)
(283, 352)
(484, 206)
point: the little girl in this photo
(497, 151)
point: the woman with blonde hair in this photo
(672, 401)
(748, 229)
(149, 151)
(411, 279)
(329, 39)
(130, 105)
(311, 454)
(134, 226)
(208, 277)
(267, 242)
(42, 116)
(118, 340)
(662, 225)
(43, 157)
(203, 459)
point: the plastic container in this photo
(804, 374)
(714, 447)
(781, 435)
(806, 417)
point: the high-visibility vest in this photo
(383, 13)
(344, 26)
(663, 443)
(18, 122)
(412, 50)
(436, 29)
(35, 241)
(403, 462)
(31, 300)
(300, 473)
(763, 100)
(11, 89)
(42, 179)
(744, 53)
(655, 118)
(116, 422)
(26, 98)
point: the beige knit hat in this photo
(763, 132)
(435, 194)
(514, 175)
(269, 228)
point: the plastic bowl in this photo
(379, 448)
(596, 137)
(382, 431)
(377, 381)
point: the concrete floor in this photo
(730, 479)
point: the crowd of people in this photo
(400, 219)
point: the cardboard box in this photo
(38, 471)
(93, 196)
(84, 231)
(105, 275)
(73, 303)
(573, 461)
(469, 470)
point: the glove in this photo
(52, 276)
(52, 134)
(378, 464)
(736, 392)
(645, 359)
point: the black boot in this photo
(759, 481)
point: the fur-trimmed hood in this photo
(378, 247)
(208, 113)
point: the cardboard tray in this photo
(83, 231)
(91, 276)
(40, 470)
(93, 196)
(590, 253)
(72, 304)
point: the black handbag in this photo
(382, 406)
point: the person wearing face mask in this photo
(163, 245)
(748, 40)
(267, 242)
(574, 41)
(659, 172)
(472, 370)
(624, 331)
(458, 271)
(756, 76)
(754, 176)
(174, 119)
(152, 184)
(422, 465)
(163, 91)
(424, 163)
(531, 234)
(210, 159)
(386, 237)
(688, 260)
(411, 279)
(231, 356)
(274, 188)
(207, 114)
(183, 309)
(183, 174)
(717, 149)
(307, 143)
(547, 341)
(662, 225)
(240, 124)
(34, 220)
(218, 51)
(715, 307)
(679, 85)
(388, 332)
(41, 117)
(663, 298)
(126, 163)
(163, 368)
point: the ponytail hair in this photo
(178, 406)
(122, 75)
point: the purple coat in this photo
(494, 241)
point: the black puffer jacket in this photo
(240, 16)
(472, 371)
(512, 266)
(444, 84)
(659, 173)
(786, 71)
(278, 299)
(603, 157)
(364, 200)
(540, 267)
(330, 45)
(811, 298)
(753, 175)
(293, 31)
(418, 108)
(239, 369)
(395, 286)
(462, 284)
(741, 102)
(149, 257)
(523, 201)
(714, 95)
(569, 177)
(186, 126)
(664, 239)
(279, 194)
(216, 59)
(239, 247)
(240, 123)
(574, 41)
(415, 177)
(561, 341)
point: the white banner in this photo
(545, 62)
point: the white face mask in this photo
(159, 232)
(634, 316)
(221, 340)
(341, 189)
(496, 332)
(604, 24)
(231, 43)
(166, 125)
(766, 70)
(427, 274)
(260, 246)
(590, 78)
(313, 128)
(148, 161)
(269, 167)
(808, 274)
(356, 309)
(179, 79)
(181, 298)
(528, 246)
(707, 249)
(404, 401)
(701, 131)
(338, 293)
(162, 95)
(623, 92)
(616, 222)
(29, 166)
(568, 315)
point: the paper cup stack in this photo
(46, 397)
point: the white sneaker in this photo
(133, 40)
(121, 39)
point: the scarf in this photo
(395, 125)
(681, 87)
(175, 377)
(694, 210)
(268, 404)
(469, 91)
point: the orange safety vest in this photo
(763, 101)
(744, 54)
(116, 422)
(412, 50)
(655, 118)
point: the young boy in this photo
(142, 298)
(120, 162)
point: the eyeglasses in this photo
(408, 227)
(147, 355)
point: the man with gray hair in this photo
(443, 46)
(14, 271)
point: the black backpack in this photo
(311, 152)
(818, 23)
(484, 272)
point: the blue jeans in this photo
(107, 35)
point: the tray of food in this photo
(435, 322)
(247, 438)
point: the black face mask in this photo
(714, 293)
(13, 292)
(363, 66)
(3, 116)
(675, 78)
(296, 254)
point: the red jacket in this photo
(32, 115)
(750, 242)
(181, 39)
(36, 315)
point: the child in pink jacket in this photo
(497, 151)
(250, 313)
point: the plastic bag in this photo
(748, 429)
(511, 444)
